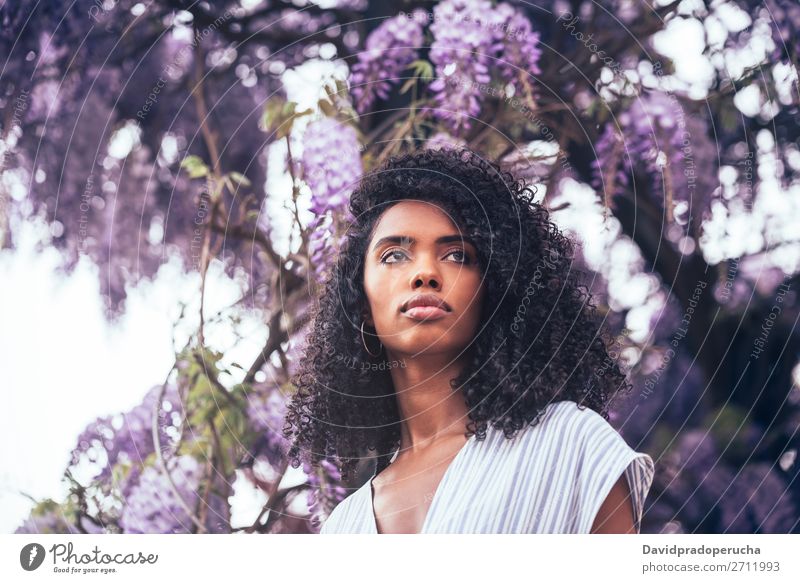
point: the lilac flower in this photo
(461, 51)
(153, 507)
(266, 411)
(390, 48)
(657, 136)
(128, 437)
(326, 492)
(520, 52)
(785, 15)
(758, 501)
(332, 167)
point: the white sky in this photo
(64, 365)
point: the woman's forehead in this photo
(416, 215)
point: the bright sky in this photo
(64, 365)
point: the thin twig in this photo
(270, 495)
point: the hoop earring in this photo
(364, 342)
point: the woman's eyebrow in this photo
(406, 240)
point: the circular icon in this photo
(31, 556)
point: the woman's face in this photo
(416, 248)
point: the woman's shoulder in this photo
(570, 420)
(585, 419)
(579, 426)
(599, 455)
(583, 436)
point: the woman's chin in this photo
(423, 345)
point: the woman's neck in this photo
(429, 407)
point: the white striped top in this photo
(549, 478)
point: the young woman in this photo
(455, 339)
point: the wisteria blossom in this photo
(390, 48)
(518, 62)
(444, 140)
(331, 168)
(785, 15)
(266, 410)
(656, 135)
(128, 437)
(326, 491)
(461, 52)
(153, 506)
(471, 38)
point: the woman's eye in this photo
(396, 253)
(461, 254)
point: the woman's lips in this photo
(425, 313)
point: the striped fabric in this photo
(549, 478)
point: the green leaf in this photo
(231, 424)
(272, 114)
(197, 447)
(240, 178)
(200, 404)
(408, 85)
(422, 69)
(218, 186)
(195, 166)
(279, 116)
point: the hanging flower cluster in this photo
(471, 38)
(390, 49)
(657, 136)
(331, 168)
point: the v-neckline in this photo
(435, 493)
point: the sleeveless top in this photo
(551, 477)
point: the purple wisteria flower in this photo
(331, 167)
(390, 48)
(153, 507)
(470, 39)
(520, 52)
(461, 51)
(785, 15)
(658, 136)
(325, 492)
(266, 411)
(757, 501)
(698, 489)
(49, 522)
(128, 437)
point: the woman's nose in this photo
(426, 278)
(426, 272)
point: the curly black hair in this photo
(540, 336)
